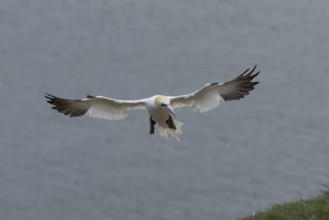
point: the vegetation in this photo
(304, 209)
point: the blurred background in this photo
(240, 158)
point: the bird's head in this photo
(164, 103)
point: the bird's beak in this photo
(170, 109)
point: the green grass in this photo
(304, 209)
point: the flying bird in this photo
(160, 107)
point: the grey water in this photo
(270, 147)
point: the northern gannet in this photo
(160, 107)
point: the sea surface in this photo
(270, 147)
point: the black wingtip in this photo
(251, 71)
(90, 96)
(49, 97)
(247, 70)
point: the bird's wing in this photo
(208, 97)
(95, 106)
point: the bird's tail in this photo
(175, 133)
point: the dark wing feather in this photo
(208, 97)
(238, 87)
(95, 106)
(73, 108)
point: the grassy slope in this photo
(310, 209)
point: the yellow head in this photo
(161, 99)
(164, 103)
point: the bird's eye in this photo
(163, 105)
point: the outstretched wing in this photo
(208, 97)
(95, 106)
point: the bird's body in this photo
(160, 107)
(161, 112)
(153, 106)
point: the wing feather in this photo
(209, 96)
(95, 106)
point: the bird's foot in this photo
(170, 123)
(152, 123)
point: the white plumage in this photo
(160, 107)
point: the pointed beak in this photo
(170, 109)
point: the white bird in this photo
(160, 107)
